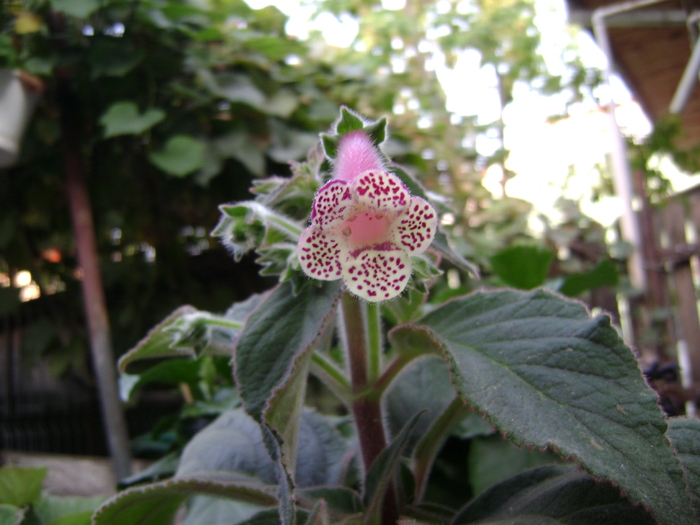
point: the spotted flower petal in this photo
(320, 254)
(381, 192)
(377, 275)
(416, 226)
(333, 205)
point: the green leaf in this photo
(122, 118)
(342, 500)
(209, 510)
(170, 372)
(553, 495)
(233, 443)
(39, 65)
(281, 328)
(382, 470)
(20, 486)
(349, 121)
(289, 144)
(181, 155)
(322, 452)
(54, 510)
(604, 274)
(684, 434)
(547, 374)
(423, 386)
(11, 515)
(318, 514)
(157, 503)
(330, 145)
(158, 344)
(273, 47)
(235, 87)
(493, 459)
(163, 468)
(283, 412)
(377, 131)
(77, 8)
(523, 267)
(113, 57)
(272, 517)
(241, 146)
(79, 518)
(188, 332)
(282, 103)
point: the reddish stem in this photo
(366, 408)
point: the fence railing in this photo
(665, 318)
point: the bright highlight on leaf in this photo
(365, 225)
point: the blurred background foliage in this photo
(181, 104)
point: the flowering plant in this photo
(421, 385)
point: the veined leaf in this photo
(548, 375)
(282, 327)
(685, 438)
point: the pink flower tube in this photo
(365, 225)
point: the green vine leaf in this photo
(549, 375)
(20, 487)
(77, 8)
(181, 155)
(523, 267)
(123, 118)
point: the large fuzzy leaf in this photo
(423, 386)
(157, 503)
(685, 436)
(234, 443)
(188, 332)
(280, 329)
(553, 495)
(549, 375)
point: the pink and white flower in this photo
(365, 225)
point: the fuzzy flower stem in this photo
(374, 335)
(366, 408)
(329, 374)
(278, 221)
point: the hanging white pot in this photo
(19, 94)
